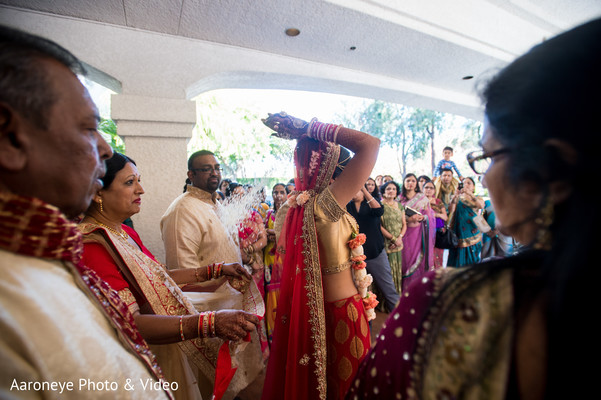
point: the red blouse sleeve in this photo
(97, 258)
(134, 235)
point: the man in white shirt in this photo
(194, 236)
(63, 332)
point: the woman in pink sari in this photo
(418, 242)
(321, 328)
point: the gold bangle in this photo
(205, 325)
(181, 327)
(213, 329)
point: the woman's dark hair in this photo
(417, 189)
(544, 107)
(343, 159)
(278, 184)
(290, 182)
(471, 179)
(424, 177)
(230, 189)
(376, 192)
(431, 183)
(385, 185)
(113, 165)
(228, 180)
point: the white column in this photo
(156, 132)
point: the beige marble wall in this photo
(156, 132)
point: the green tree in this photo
(430, 123)
(392, 123)
(108, 130)
(239, 137)
(473, 134)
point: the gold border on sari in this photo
(163, 295)
(312, 271)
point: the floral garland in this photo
(362, 279)
(298, 198)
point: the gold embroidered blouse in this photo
(334, 228)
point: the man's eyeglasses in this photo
(480, 161)
(206, 170)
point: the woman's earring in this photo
(544, 221)
(100, 205)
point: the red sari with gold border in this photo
(148, 281)
(299, 363)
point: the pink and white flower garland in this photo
(362, 279)
(298, 198)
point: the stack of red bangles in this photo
(206, 324)
(214, 271)
(322, 131)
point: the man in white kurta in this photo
(194, 236)
(63, 333)
(51, 333)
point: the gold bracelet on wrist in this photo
(181, 327)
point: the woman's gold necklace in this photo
(121, 234)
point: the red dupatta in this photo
(297, 367)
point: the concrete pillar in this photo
(156, 132)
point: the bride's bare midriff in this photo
(339, 286)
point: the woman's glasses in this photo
(480, 161)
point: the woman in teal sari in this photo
(463, 208)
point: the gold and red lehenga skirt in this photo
(348, 338)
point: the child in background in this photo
(447, 163)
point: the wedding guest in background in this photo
(464, 208)
(511, 320)
(393, 227)
(418, 242)
(440, 213)
(373, 189)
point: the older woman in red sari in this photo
(188, 344)
(321, 329)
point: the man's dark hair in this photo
(24, 85)
(199, 153)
